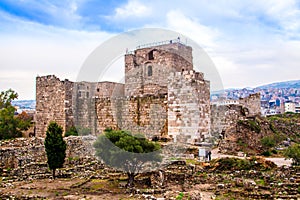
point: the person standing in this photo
(209, 155)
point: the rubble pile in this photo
(260, 182)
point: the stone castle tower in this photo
(162, 96)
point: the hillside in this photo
(285, 84)
(262, 135)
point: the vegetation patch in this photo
(293, 152)
(254, 163)
(72, 131)
(252, 124)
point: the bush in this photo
(233, 164)
(268, 142)
(274, 151)
(293, 152)
(254, 163)
(71, 131)
(253, 125)
(266, 153)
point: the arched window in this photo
(149, 70)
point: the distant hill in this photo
(24, 104)
(286, 84)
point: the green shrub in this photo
(268, 142)
(233, 164)
(272, 127)
(293, 152)
(180, 196)
(274, 151)
(224, 164)
(71, 131)
(253, 125)
(266, 153)
(55, 147)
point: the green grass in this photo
(191, 161)
(260, 182)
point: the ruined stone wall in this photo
(188, 107)
(224, 117)
(147, 114)
(143, 104)
(70, 104)
(53, 103)
(147, 70)
(252, 103)
(20, 152)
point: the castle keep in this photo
(162, 96)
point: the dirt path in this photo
(278, 161)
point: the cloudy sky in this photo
(251, 42)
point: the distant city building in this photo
(297, 108)
(289, 107)
(271, 111)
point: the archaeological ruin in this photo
(162, 96)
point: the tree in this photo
(55, 147)
(122, 150)
(24, 120)
(293, 152)
(10, 125)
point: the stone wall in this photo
(21, 152)
(84, 106)
(147, 114)
(109, 89)
(162, 96)
(70, 104)
(53, 103)
(252, 103)
(224, 116)
(147, 70)
(106, 114)
(188, 107)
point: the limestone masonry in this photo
(162, 97)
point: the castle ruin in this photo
(162, 96)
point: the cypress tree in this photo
(55, 147)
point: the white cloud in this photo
(132, 9)
(251, 42)
(285, 12)
(272, 61)
(36, 49)
(204, 35)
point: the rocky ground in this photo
(24, 174)
(222, 178)
(258, 135)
